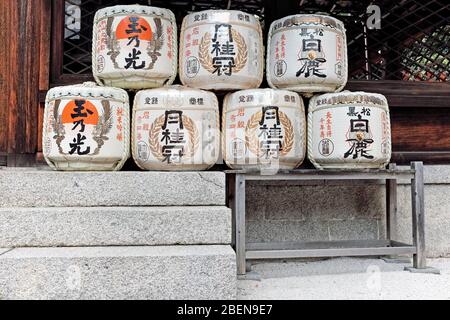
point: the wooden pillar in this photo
(25, 35)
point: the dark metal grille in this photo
(412, 44)
(79, 17)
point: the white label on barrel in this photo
(356, 132)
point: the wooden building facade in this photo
(47, 43)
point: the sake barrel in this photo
(307, 53)
(175, 128)
(221, 50)
(86, 127)
(134, 47)
(263, 129)
(349, 130)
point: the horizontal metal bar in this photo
(331, 176)
(328, 175)
(317, 244)
(399, 244)
(328, 171)
(320, 182)
(336, 252)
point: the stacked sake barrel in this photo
(87, 127)
(221, 50)
(308, 54)
(134, 47)
(263, 129)
(177, 127)
(349, 130)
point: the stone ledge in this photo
(114, 226)
(42, 188)
(171, 272)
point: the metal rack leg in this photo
(391, 206)
(230, 203)
(418, 216)
(239, 206)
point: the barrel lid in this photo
(345, 98)
(260, 97)
(134, 9)
(88, 90)
(306, 19)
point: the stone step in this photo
(114, 226)
(171, 272)
(45, 188)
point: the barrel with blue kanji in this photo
(349, 130)
(86, 127)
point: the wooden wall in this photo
(24, 51)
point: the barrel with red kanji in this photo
(221, 50)
(349, 130)
(134, 47)
(263, 129)
(86, 127)
(175, 128)
(307, 53)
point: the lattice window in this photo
(77, 46)
(412, 44)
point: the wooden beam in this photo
(407, 93)
(44, 63)
(4, 75)
(57, 16)
(44, 44)
(427, 157)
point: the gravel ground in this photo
(345, 278)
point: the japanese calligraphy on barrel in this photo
(134, 47)
(263, 129)
(307, 54)
(221, 50)
(349, 130)
(175, 128)
(86, 127)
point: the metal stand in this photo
(390, 247)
